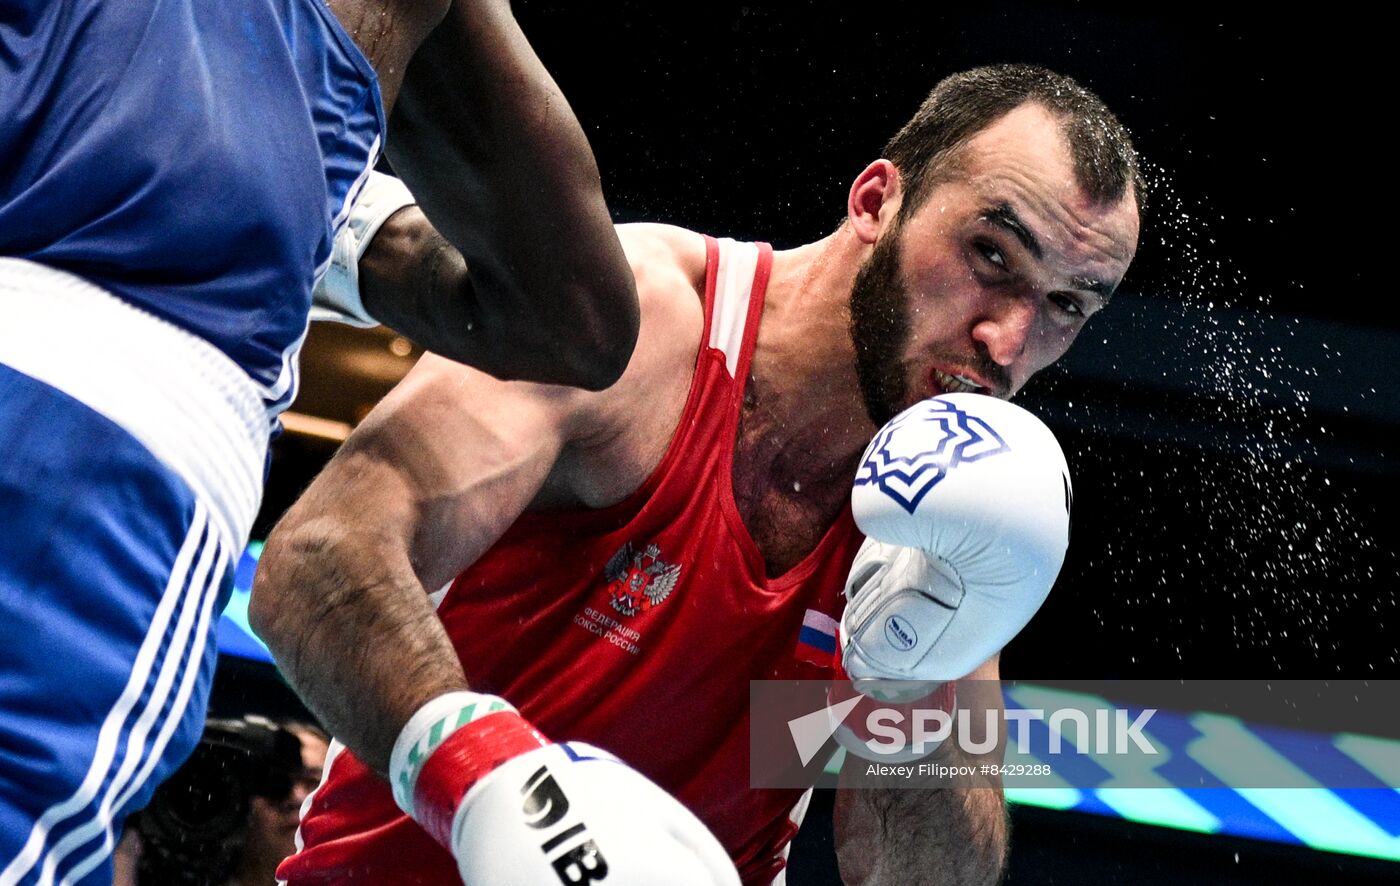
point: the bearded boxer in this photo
(174, 176)
(615, 567)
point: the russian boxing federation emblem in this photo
(638, 581)
(906, 466)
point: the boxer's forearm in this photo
(354, 634)
(428, 482)
(412, 280)
(954, 835)
(905, 834)
(948, 836)
(352, 630)
(494, 155)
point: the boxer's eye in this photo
(991, 253)
(1067, 304)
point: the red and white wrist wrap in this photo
(446, 747)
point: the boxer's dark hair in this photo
(962, 105)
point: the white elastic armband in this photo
(337, 294)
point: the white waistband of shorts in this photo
(182, 398)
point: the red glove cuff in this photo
(463, 759)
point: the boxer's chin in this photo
(883, 391)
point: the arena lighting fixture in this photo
(311, 426)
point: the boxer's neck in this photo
(803, 425)
(803, 394)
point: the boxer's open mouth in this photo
(952, 383)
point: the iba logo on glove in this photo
(900, 633)
(544, 806)
(948, 437)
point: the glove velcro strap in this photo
(462, 760)
(427, 730)
(451, 743)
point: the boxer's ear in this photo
(874, 200)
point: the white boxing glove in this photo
(965, 503)
(517, 810)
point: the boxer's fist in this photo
(517, 810)
(965, 501)
(570, 813)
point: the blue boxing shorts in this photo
(131, 457)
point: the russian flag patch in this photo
(816, 642)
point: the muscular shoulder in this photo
(669, 266)
(665, 255)
(625, 430)
(602, 445)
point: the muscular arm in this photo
(538, 287)
(429, 481)
(947, 836)
(414, 281)
(431, 478)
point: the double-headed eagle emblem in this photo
(637, 581)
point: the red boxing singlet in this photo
(636, 628)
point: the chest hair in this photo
(787, 494)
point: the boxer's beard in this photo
(880, 330)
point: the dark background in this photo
(1233, 466)
(1229, 421)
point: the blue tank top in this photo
(194, 158)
